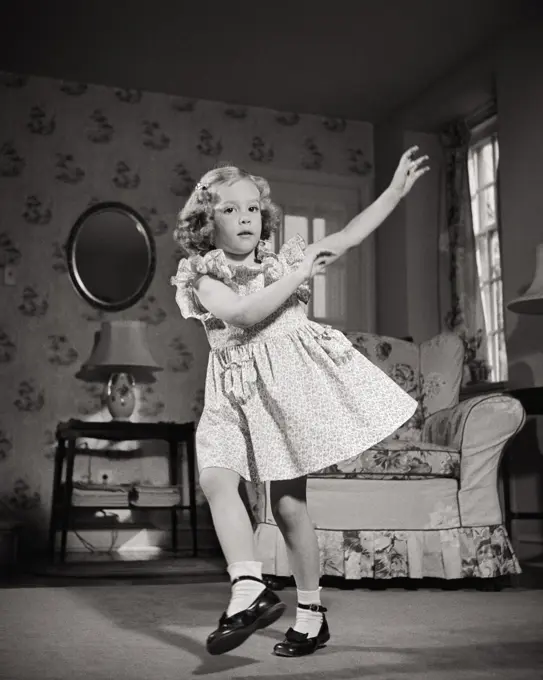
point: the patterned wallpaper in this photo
(63, 147)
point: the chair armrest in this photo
(459, 426)
(479, 428)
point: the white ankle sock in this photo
(245, 592)
(307, 621)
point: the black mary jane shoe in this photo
(298, 644)
(234, 630)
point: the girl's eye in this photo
(228, 210)
(254, 207)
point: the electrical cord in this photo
(114, 536)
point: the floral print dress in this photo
(287, 396)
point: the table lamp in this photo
(120, 356)
(531, 302)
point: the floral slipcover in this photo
(423, 502)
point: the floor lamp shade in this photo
(531, 302)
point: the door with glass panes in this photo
(343, 295)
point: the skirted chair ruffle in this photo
(479, 552)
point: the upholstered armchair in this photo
(422, 503)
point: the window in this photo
(482, 168)
(328, 302)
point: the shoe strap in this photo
(313, 607)
(293, 636)
(247, 578)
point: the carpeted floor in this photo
(157, 632)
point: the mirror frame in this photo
(72, 266)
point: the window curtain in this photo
(459, 293)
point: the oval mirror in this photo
(111, 256)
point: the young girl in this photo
(284, 396)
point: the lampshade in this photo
(532, 300)
(120, 346)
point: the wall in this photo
(520, 106)
(423, 213)
(390, 239)
(520, 109)
(64, 146)
(407, 242)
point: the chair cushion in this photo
(442, 368)
(398, 459)
(400, 361)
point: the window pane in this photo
(497, 298)
(472, 173)
(486, 164)
(319, 296)
(489, 207)
(496, 359)
(487, 305)
(475, 214)
(296, 224)
(495, 260)
(499, 309)
(273, 241)
(336, 286)
(502, 365)
(481, 254)
(319, 229)
(496, 373)
(491, 341)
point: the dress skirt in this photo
(294, 404)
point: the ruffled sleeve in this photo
(189, 271)
(291, 254)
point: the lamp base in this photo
(121, 396)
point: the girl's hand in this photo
(315, 261)
(408, 172)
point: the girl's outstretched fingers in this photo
(409, 171)
(410, 153)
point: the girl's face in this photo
(238, 222)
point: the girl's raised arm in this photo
(361, 226)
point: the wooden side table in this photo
(9, 544)
(67, 434)
(531, 399)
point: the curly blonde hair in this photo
(195, 223)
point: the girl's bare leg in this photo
(235, 534)
(289, 507)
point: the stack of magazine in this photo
(90, 494)
(100, 495)
(146, 495)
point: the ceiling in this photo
(363, 59)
